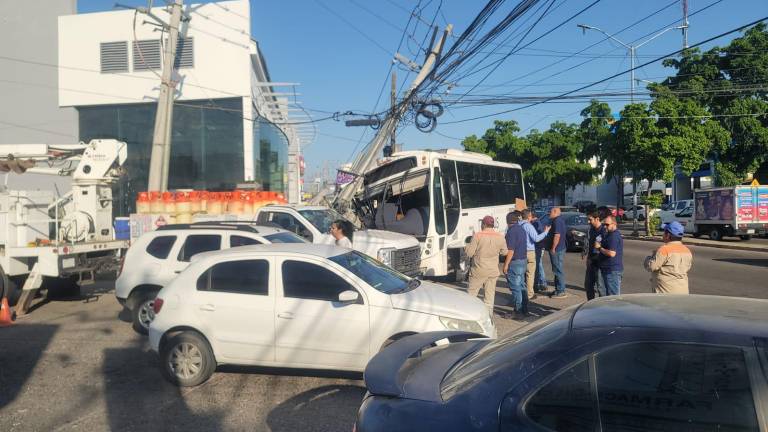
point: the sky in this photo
(341, 52)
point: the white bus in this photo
(439, 197)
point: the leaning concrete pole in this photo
(161, 139)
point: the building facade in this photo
(229, 128)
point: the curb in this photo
(693, 242)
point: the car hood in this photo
(370, 241)
(412, 368)
(434, 299)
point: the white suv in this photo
(298, 306)
(156, 257)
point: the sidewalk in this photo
(733, 243)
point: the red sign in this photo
(762, 203)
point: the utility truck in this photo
(47, 240)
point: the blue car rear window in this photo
(498, 354)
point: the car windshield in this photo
(374, 273)
(577, 220)
(505, 351)
(321, 219)
(284, 237)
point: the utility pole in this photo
(367, 157)
(393, 103)
(161, 139)
(685, 24)
(632, 51)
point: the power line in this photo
(615, 75)
(354, 27)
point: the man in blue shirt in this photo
(540, 279)
(593, 283)
(610, 262)
(531, 237)
(514, 264)
(557, 252)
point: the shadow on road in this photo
(326, 408)
(758, 262)
(22, 348)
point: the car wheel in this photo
(187, 360)
(715, 234)
(745, 237)
(143, 312)
(640, 217)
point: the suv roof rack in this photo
(227, 225)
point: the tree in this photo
(551, 160)
(599, 142)
(729, 83)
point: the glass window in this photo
(566, 403)
(284, 237)
(389, 169)
(309, 281)
(373, 272)
(437, 192)
(485, 185)
(236, 240)
(199, 243)
(241, 277)
(161, 246)
(321, 219)
(451, 193)
(655, 387)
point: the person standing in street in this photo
(557, 252)
(531, 238)
(670, 263)
(540, 279)
(611, 251)
(342, 232)
(484, 250)
(593, 283)
(515, 263)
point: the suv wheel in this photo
(143, 312)
(187, 360)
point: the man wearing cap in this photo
(484, 250)
(670, 263)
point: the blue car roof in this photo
(704, 313)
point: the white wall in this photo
(221, 68)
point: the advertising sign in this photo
(715, 205)
(343, 178)
(746, 204)
(762, 203)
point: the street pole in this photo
(393, 104)
(161, 139)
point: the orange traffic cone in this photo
(5, 313)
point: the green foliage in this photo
(654, 222)
(551, 160)
(653, 201)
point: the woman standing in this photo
(343, 231)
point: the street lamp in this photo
(632, 51)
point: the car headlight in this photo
(577, 233)
(385, 256)
(461, 325)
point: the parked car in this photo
(298, 306)
(577, 226)
(585, 206)
(641, 362)
(157, 257)
(629, 213)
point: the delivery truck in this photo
(739, 211)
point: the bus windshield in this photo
(321, 219)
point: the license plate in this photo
(750, 231)
(68, 262)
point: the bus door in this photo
(451, 201)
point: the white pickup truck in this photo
(399, 251)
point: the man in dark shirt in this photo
(515, 263)
(611, 250)
(593, 283)
(557, 252)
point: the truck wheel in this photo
(746, 237)
(715, 234)
(10, 288)
(696, 234)
(143, 312)
(187, 360)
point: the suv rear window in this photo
(161, 246)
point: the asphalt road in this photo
(76, 365)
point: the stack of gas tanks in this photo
(154, 209)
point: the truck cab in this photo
(399, 251)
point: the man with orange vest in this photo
(670, 263)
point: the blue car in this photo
(636, 363)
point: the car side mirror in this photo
(349, 297)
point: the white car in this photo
(667, 215)
(298, 306)
(157, 257)
(629, 213)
